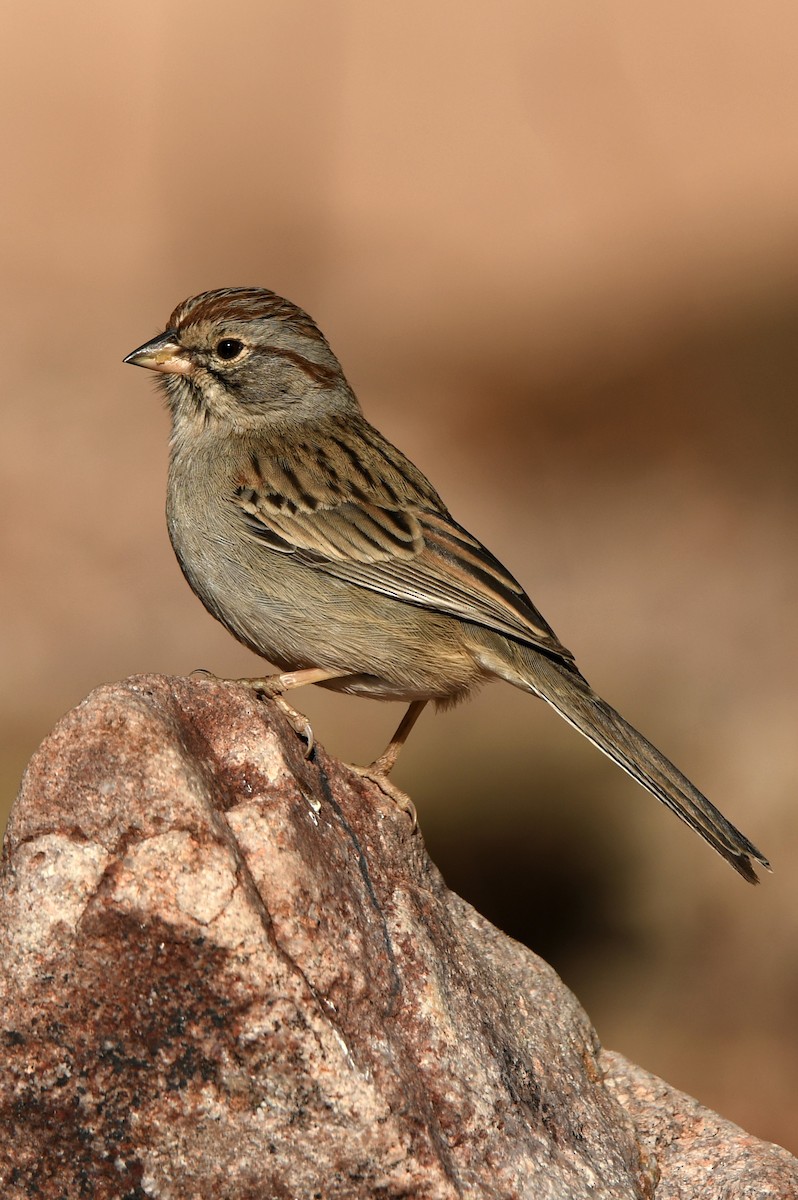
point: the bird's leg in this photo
(379, 770)
(387, 760)
(272, 686)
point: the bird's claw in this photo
(298, 722)
(271, 687)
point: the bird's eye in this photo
(229, 348)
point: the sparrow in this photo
(322, 548)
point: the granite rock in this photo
(232, 971)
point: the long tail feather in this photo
(573, 698)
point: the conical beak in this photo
(162, 353)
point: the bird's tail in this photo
(572, 697)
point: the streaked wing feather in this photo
(452, 574)
(441, 567)
(360, 533)
(413, 552)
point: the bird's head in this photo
(244, 358)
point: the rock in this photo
(233, 972)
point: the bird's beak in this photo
(162, 353)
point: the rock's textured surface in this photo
(699, 1155)
(231, 972)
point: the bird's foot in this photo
(298, 722)
(400, 798)
(271, 687)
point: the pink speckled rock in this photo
(231, 972)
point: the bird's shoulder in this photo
(335, 462)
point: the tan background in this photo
(556, 248)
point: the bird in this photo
(322, 548)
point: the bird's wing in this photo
(387, 538)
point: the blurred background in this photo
(556, 249)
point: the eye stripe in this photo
(324, 376)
